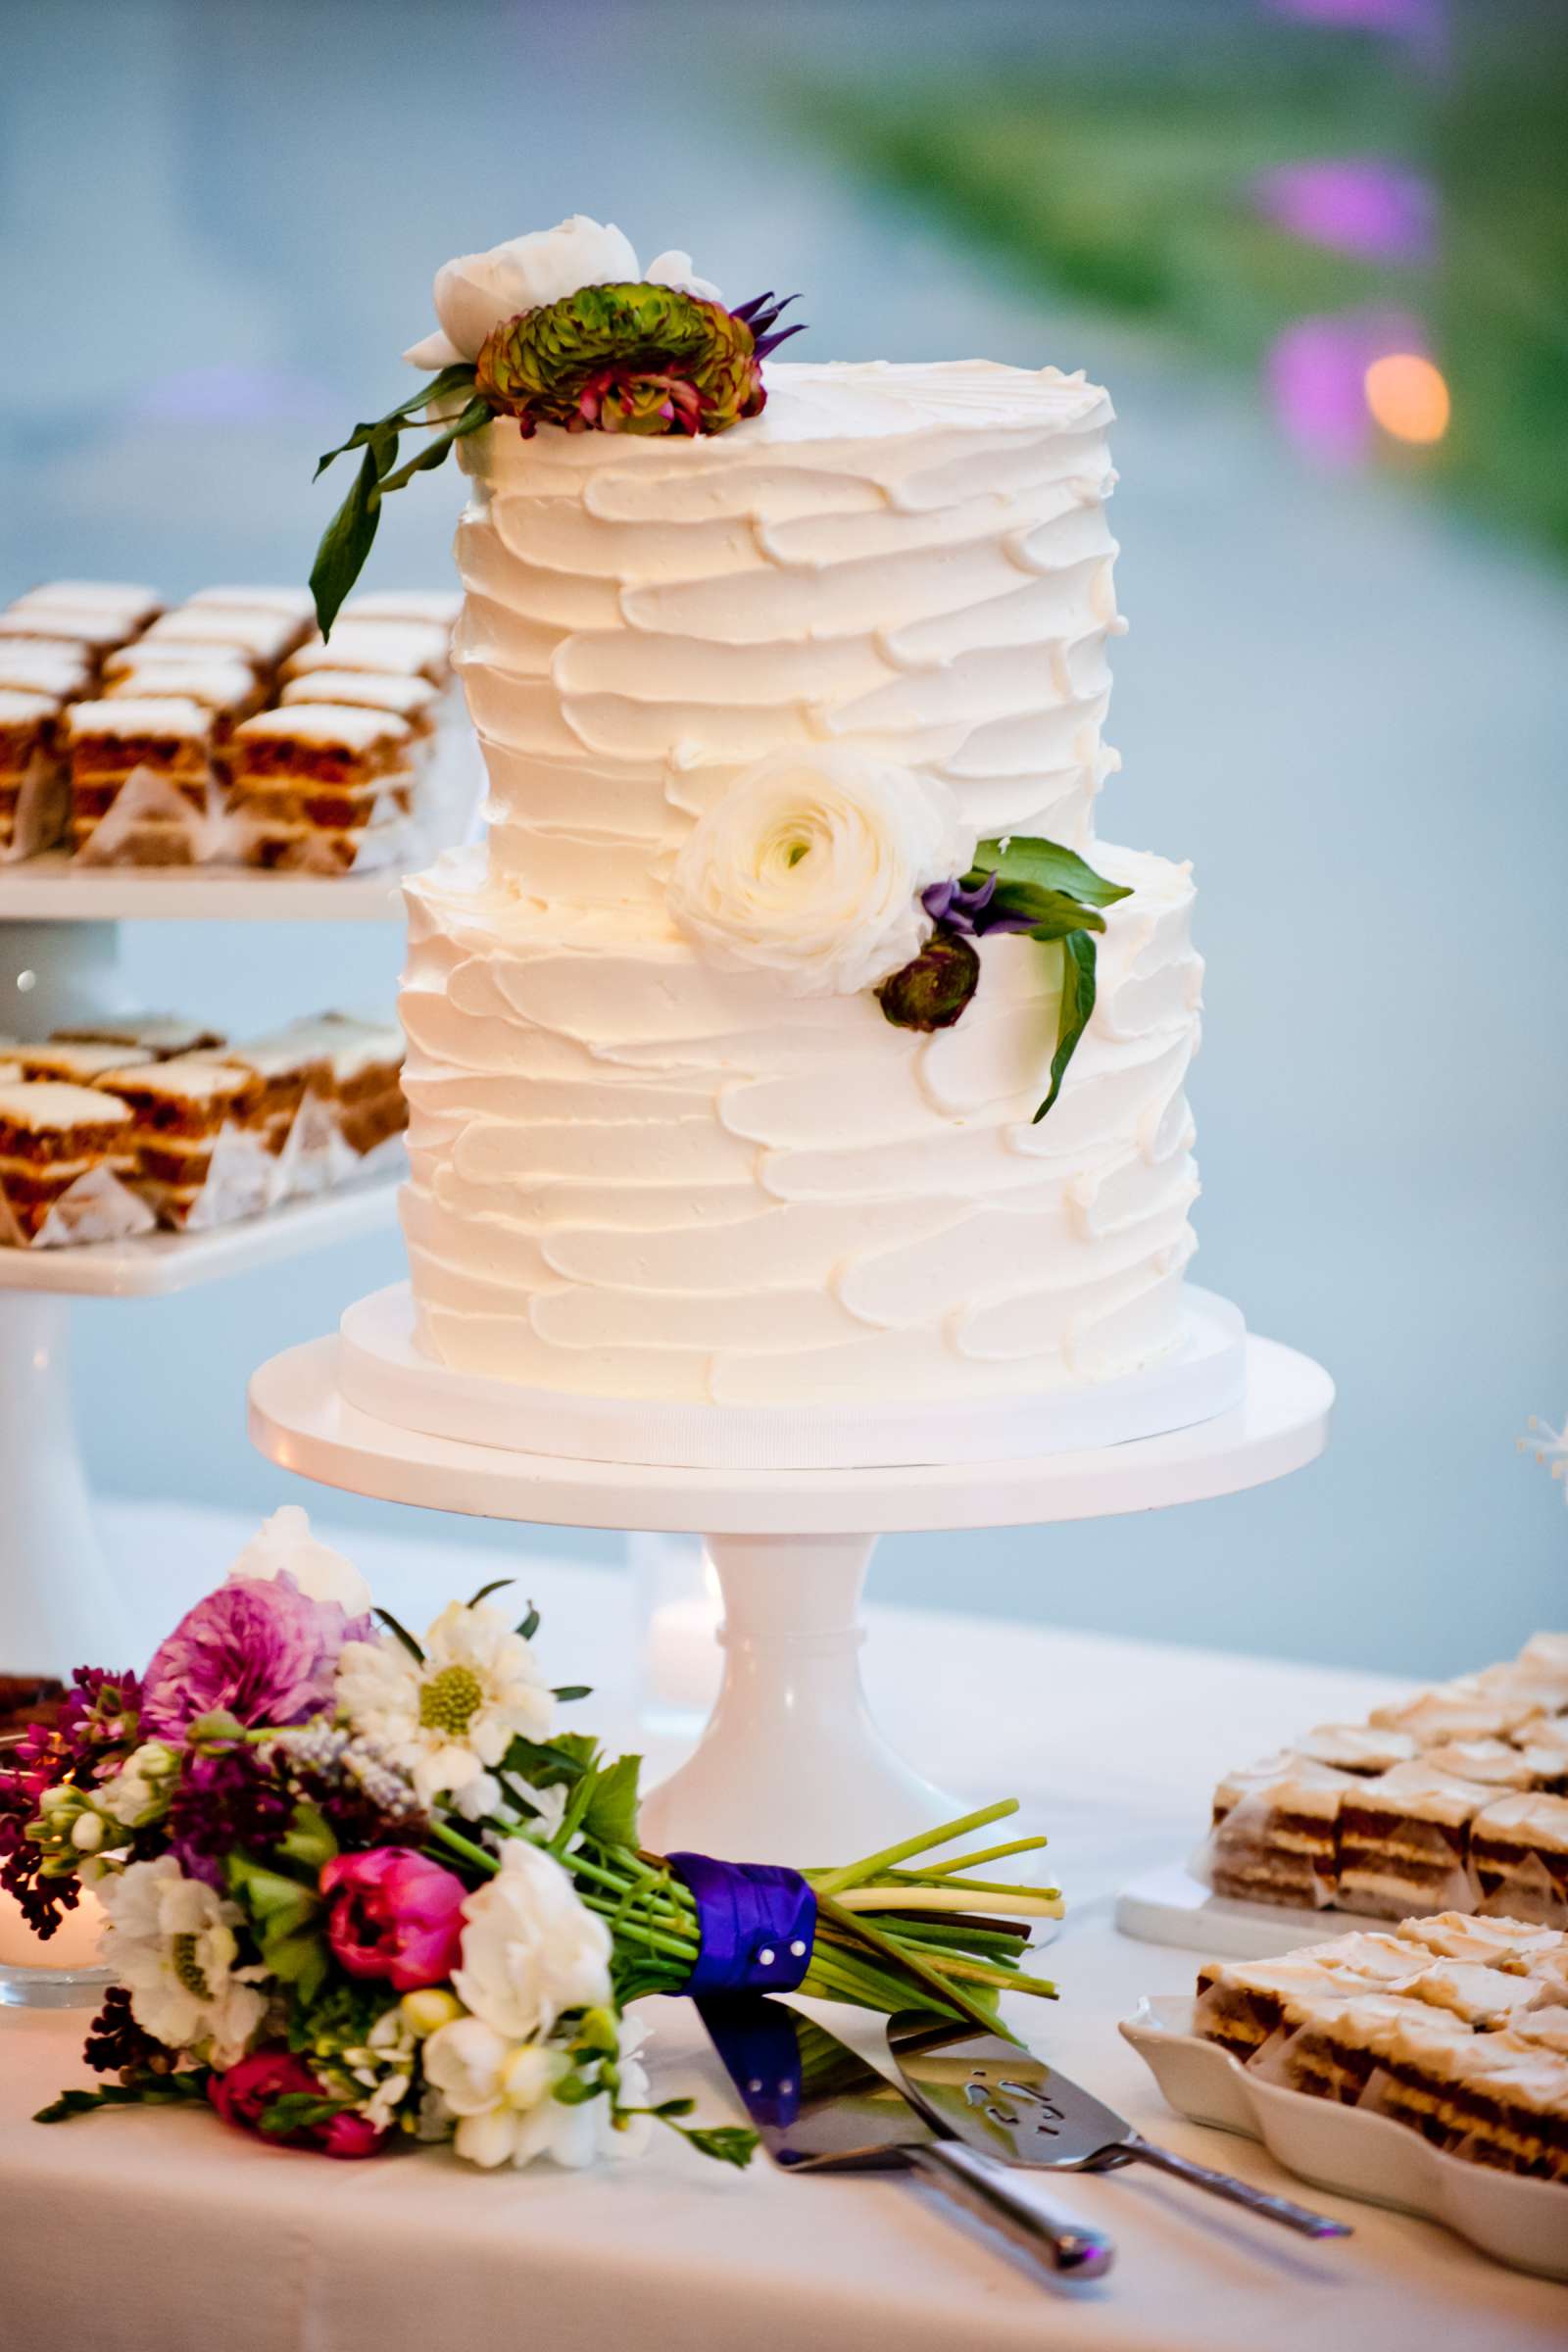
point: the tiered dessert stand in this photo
(790, 1768)
(60, 961)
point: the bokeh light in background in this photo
(1407, 397)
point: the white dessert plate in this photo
(1172, 1906)
(382, 1371)
(1519, 2221)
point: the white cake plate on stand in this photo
(790, 1768)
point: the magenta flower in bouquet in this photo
(362, 1892)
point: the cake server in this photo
(1008, 2104)
(819, 2107)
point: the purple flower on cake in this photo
(261, 1651)
(962, 909)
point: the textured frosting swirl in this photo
(914, 559)
(637, 1174)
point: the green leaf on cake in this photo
(350, 535)
(1046, 865)
(1076, 1005)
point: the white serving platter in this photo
(1172, 1906)
(1520, 2222)
(151, 1265)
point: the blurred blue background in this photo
(1344, 696)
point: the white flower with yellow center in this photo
(449, 1718)
(171, 1943)
(811, 868)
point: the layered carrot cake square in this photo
(1519, 1853)
(413, 700)
(76, 1064)
(163, 1034)
(50, 1135)
(401, 647)
(296, 605)
(1517, 1946)
(32, 800)
(262, 638)
(1470, 1708)
(45, 665)
(364, 1063)
(1358, 1746)
(1499, 2099)
(222, 682)
(179, 1109)
(279, 1069)
(1274, 1837)
(438, 608)
(321, 784)
(169, 736)
(127, 601)
(91, 627)
(1403, 1840)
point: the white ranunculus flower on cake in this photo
(285, 1542)
(531, 1948)
(477, 290)
(449, 1718)
(811, 866)
(171, 1943)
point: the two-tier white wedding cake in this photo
(744, 697)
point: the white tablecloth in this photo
(157, 2232)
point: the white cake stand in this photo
(791, 1767)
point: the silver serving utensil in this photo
(819, 2107)
(1001, 2099)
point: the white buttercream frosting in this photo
(639, 1172)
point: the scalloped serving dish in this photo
(1519, 2221)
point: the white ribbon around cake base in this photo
(383, 1371)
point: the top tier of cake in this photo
(915, 560)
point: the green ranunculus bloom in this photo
(634, 359)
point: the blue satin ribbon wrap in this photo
(757, 1923)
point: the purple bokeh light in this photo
(233, 395)
(1375, 210)
(1422, 26)
(1316, 376)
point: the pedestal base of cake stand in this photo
(791, 1767)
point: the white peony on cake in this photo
(779, 719)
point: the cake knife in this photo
(820, 2107)
(1002, 2101)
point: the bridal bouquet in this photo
(360, 1888)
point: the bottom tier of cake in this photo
(634, 1175)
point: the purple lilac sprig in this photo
(227, 1797)
(94, 1728)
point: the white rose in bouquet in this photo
(530, 1947)
(285, 1542)
(477, 290)
(812, 867)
